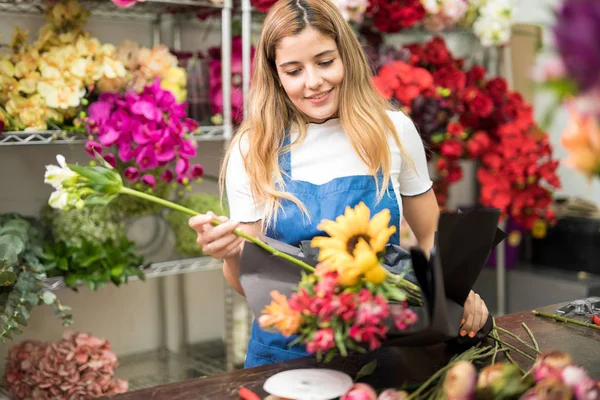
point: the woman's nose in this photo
(313, 79)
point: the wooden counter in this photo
(395, 365)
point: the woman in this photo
(317, 138)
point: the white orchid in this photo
(56, 175)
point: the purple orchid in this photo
(576, 33)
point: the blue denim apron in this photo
(326, 201)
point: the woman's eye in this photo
(326, 63)
(293, 72)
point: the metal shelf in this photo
(158, 270)
(57, 136)
(148, 9)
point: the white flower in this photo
(498, 9)
(56, 175)
(492, 31)
(59, 199)
(431, 6)
(455, 9)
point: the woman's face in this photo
(311, 72)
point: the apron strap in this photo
(285, 158)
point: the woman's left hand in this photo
(475, 315)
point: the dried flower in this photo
(550, 364)
(460, 380)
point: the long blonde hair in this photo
(362, 110)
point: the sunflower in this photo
(354, 242)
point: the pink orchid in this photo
(109, 137)
(197, 171)
(92, 146)
(147, 109)
(164, 149)
(131, 173)
(111, 159)
(182, 166)
(146, 159)
(124, 3)
(167, 176)
(149, 180)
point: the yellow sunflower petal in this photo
(379, 231)
(364, 257)
(376, 275)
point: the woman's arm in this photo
(422, 213)
(231, 265)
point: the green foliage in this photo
(22, 274)
(93, 223)
(94, 263)
(185, 237)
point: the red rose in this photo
(411, 14)
(476, 75)
(479, 143)
(451, 149)
(455, 129)
(263, 5)
(455, 174)
(450, 77)
(497, 88)
(441, 165)
(435, 52)
(478, 103)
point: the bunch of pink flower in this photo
(148, 131)
(79, 366)
(330, 318)
(444, 14)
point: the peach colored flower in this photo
(280, 315)
(582, 139)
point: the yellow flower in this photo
(539, 229)
(347, 230)
(179, 92)
(280, 315)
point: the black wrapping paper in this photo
(463, 244)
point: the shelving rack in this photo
(155, 12)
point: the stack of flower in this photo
(463, 115)
(343, 306)
(216, 81)
(573, 77)
(48, 80)
(79, 366)
(490, 20)
(147, 135)
(143, 67)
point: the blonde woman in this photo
(317, 138)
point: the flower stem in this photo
(567, 320)
(189, 211)
(511, 347)
(535, 343)
(530, 347)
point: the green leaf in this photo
(32, 298)
(116, 270)
(330, 355)
(366, 370)
(438, 137)
(63, 264)
(8, 253)
(14, 231)
(48, 297)
(339, 340)
(7, 277)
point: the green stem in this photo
(567, 320)
(511, 347)
(189, 211)
(524, 343)
(535, 343)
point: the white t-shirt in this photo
(326, 154)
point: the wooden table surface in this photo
(395, 365)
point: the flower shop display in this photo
(185, 238)
(147, 137)
(461, 114)
(79, 366)
(571, 75)
(490, 20)
(21, 275)
(47, 83)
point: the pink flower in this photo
(111, 159)
(165, 149)
(124, 3)
(167, 176)
(187, 149)
(182, 166)
(92, 146)
(109, 137)
(360, 391)
(322, 341)
(371, 312)
(197, 171)
(146, 109)
(146, 159)
(403, 316)
(149, 180)
(131, 173)
(391, 394)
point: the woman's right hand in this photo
(217, 241)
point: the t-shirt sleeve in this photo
(414, 176)
(242, 206)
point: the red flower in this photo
(402, 81)
(497, 88)
(393, 15)
(450, 77)
(435, 52)
(455, 129)
(479, 143)
(455, 173)
(478, 103)
(323, 340)
(263, 5)
(452, 149)
(475, 75)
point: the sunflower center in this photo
(353, 241)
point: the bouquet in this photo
(354, 295)
(571, 74)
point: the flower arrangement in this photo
(343, 306)
(49, 80)
(79, 366)
(147, 136)
(216, 80)
(144, 66)
(463, 115)
(571, 75)
(490, 20)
